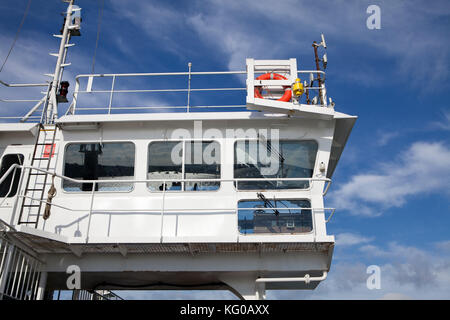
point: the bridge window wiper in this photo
(267, 203)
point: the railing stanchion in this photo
(90, 211)
(189, 86)
(111, 94)
(162, 210)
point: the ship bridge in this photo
(138, 193)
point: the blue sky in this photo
(391, 186)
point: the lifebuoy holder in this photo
(274, 76)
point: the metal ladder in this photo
(34, 184)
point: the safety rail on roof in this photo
(36, 113)
(86, 88)
(91, 210)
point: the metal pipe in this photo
(16, 85)
(151, 74)
(162, 212)
(90, 211)
(306, 279)
(319, 80)
(111, 95)
(28, 115)
(53, 111)
(155, 180)
(189, 85)
(164, 90)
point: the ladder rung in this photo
(31, 205)
(26, 190)
(41, 158)
(38, 174)
(26, 222)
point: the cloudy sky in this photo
(391, 187)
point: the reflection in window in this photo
(264, 159)
(6, 189)
(99, 161)
(274, 216)
(201, 161)
(164, 162)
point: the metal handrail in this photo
(73, 107)
(94, 183)
(10, 186)
(155, 180)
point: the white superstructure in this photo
(191, 197)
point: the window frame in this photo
(183, 164)
(276, 190)
(20, 175)
(99, 191)
(313, 221)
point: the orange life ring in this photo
(274, 76)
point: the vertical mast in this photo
(52, 103)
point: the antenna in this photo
(323, 43)
(69, 29)
(324, 61)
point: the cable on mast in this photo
(100, 15)
(17, 34)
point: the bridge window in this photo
(169, 161)
(8, 188)
(269, 160)
(274, 216)
(99, 161)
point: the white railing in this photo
(20, 271)
(91, 210)
(35, 109)
(74, 108)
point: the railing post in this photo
(162, 211)
(90, 211)
(111, 94)
(9, 247)
(73, 106)
(189, 86)
(41, 286)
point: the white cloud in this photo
(350, 239)
(407, 272)
(385, 137)
(443, 245)
(274, 29)
(444, 122)
(423, 168)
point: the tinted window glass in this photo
(285, 159)
(9, 186)
(95, 161)
(165, 162)
(274, 216)
(201, 161)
